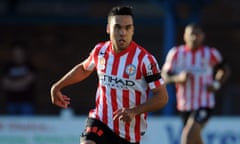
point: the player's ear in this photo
(108, 29)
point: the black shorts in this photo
(100, 133)
(200, 115)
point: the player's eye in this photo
(118, 27)
(128, 27)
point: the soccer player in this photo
(198, 71)
(126, 73)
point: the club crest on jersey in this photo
(130, 69)
(102, 62)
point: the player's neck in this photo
(193, 47)
(117, 49)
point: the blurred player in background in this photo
(126, 73)
(198, 71)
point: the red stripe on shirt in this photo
(105, 106)
(213, 58)
(140, 57)
(115, 108)
(200, 91)
(208, 95)
(97, 103)
(115, 65)
(184, 87)
(137, 122)
(125, 98)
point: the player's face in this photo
(121, 30)
(193, 37)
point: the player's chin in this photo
(123, 43)
(123, 46)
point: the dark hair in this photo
(120, 10)
(195, 26)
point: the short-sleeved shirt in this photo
(200, 63)
(125, 79)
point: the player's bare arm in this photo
(175, 78)
(221, 76)
(77, 74)
(158, 100)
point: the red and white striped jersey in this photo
(122, 84)
(200, 63)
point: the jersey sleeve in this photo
(151, 72)
(169, 64)
(89, 63)
(216, 57)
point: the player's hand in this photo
(214, 86)
(59, 99)
(183, 77)
(210, 88)
(124, 114)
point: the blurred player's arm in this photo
(170, 77)
(223, 72)
(221, 75)
(168, 71)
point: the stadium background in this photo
(61, 33)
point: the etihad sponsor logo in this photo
(116, 82)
